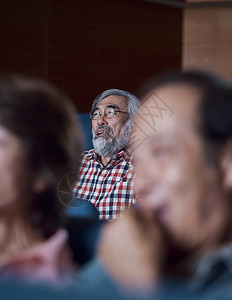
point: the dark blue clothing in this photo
(212, 281)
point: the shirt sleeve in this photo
(93, 277)
(94, 281)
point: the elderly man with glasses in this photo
(105, 177)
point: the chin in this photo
(100, 138)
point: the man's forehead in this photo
(115, 100)
(168, 108)
(183, 99)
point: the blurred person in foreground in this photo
(105, 177)
(39, 143)
(181, 227)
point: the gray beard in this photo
(107, 147)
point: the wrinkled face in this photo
(15, 182)
(173, 180)
(116, 123)
(110, 134)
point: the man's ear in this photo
(227, 165)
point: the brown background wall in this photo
(207, 39)
(23, 35)
(86, 46)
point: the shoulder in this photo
(125, 155)
(89, 154)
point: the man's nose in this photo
(102, 120)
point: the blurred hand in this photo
(132, 250)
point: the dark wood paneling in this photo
(23, 26)
(207, 39)
(86, 46)
(100, 44)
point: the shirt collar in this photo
(124, 154)
(216, 261)
(91, 154)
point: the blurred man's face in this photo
(173, 180)
(15, 177)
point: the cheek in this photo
(14, 180)
(174, 175)
(171, 174)
(94, 125)
(116, 129)
(185, 195)
(116, 124)
(184, 174)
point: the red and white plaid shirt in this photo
(109, 187)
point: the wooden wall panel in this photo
(207, 1)
(100, 44)
(207, 39)
(86, 46)
(23, 26)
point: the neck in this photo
(16, 234)
(105, 160)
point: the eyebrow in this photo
(109, 105)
